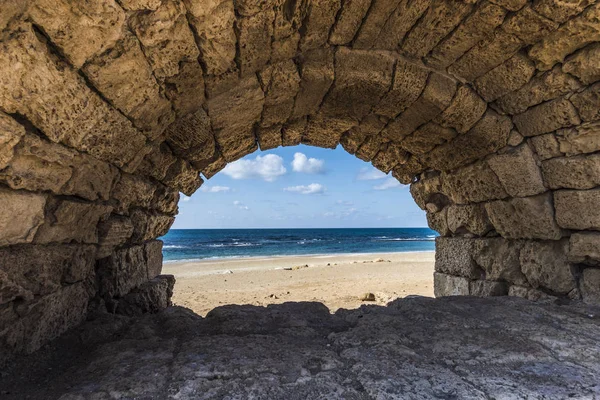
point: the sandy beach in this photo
(338, 281)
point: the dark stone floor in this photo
(415, 348)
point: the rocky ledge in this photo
(414, 348)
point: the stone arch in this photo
(489, 109)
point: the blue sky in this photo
(300, 187)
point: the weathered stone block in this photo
(183, 177)
(113, 232)
(316, 72)
(487, 136)
(186, 89)
(68, 220)
(254, 34)
(427, 137)
(408, 83)
(320, 18)
(434, 99)
(547, 117)
(518, 172)
(499, 258)
(571, 36)
(474, 183)
(123, 270)
(166, 37)
(465, 110)
(584, 247)
(406, 173)
(528, 25)
(585, 64)
(280, 82)
(545, 265)
(481, 288)
(438, 21)
(505, 78)
(291, 133)
(582, 139)
(156, 163)
(80, 31)
(269, 138)
(349, 20)
(470, 218)
(448, 285)
(21, 215)
(558, 10)
(475, 28)
(10, 134)
(454, 256)
(578, 209)
(132, 191)
(150, 297)
(546, 146)
(588, 103)
(374, 22)
(125, 78)
(590, 286)
(153, 257)
(191, 137)
(579, 172)
(426, 190)
(148, 226)
(544, 87)
(438, 221)
(213, 25)
(524, 218)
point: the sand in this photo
(338, 281)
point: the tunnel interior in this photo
(490, 110)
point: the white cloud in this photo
(345, 214)
(388, 184)
(240, 205)
(370, 174)
(313, 188)
(214, 189)
(185, 198)
(307, 165)
(268, 168)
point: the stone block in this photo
(154, 257)
(505, 78)
(280, 83)
(543, 87)
(149, 225)
(124, 77)
(547, 117)
(68, 220)
(585, 64)
(132, 191)
(112, 233)
(191, 137)
(122, 271)
(427, 137)
(587, 103)
(319, 20)
(590, 286)
(406, 173)
(269, 138)
(150, 297)
(440, 19)
(182, 176)
(569, 37)
(21, 215)
(374, 21)
(487, 136)
(481, 288)
(389, 155)
(578, 209)
(579, 172)
(475, 28)
(448, 285)
(316, 77)
(558, 10)
(438, 221)
(545, 265)
(528, 25)
(291, 133)
(428, 189)
(524, 218)
(454, 256)
(254, 34)
(545, 146)
(473, 183)
(582, 139)
(584, 247)
(470, 218)
(499, 258)
(399, 21)
(79, 31)
(166, 37)
(434, 99)
(529, 293)
(464, 111)
(348, 22)
(213, 25)
(10, 135)
(518, 172)
(408, 83)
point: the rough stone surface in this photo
(518, 172)
(545, 265)
(21, 215)
(577, 209)
(590, 285)
(577, 172)
(584, 247)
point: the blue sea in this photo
(198, 244)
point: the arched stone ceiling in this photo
(109, 109)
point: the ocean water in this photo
(198, 244)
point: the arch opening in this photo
(489, 110)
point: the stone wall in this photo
(489, 109)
